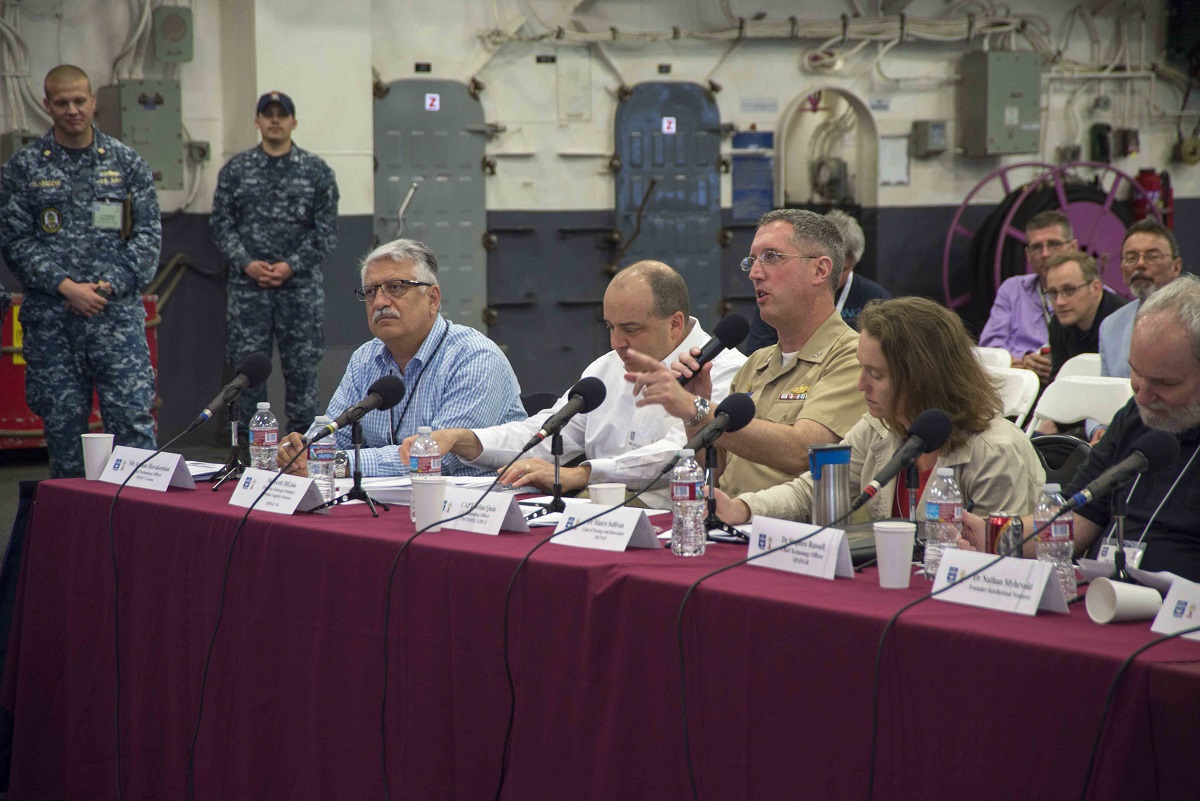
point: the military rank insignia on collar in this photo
(796, 393)
(51, 220)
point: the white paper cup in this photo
(1111, 601)
(894, 551)
(97, 448)
(607, 494)
(428, 493)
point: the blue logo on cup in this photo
(1180, 608)
(952, 575)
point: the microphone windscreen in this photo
(933, 427)
(732, 329)
(1160, 448)
(390, 390)
(256, 367)
(591, 390)
(739, 408)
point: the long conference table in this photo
(974, 704)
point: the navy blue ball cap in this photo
(276, 97)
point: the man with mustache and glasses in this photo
(454, 376)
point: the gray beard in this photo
(1172, 422)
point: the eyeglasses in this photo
(1050, 246)
(1066, 292)
(769, 258)
(1152, 258)
(395, 289)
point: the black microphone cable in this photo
(687, 748)
(512, 688)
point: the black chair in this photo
(1061, 455)
(535, 402)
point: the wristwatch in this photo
(702, 407)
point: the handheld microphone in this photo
(728, 334)
(586, 395)
(1155, 450)
(733, 414)
(928, 432)
(252, 371)
(385, 393)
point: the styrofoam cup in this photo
(97, 448)
(428, 496)
(607, 494)
(894, 552)
(1111, 601)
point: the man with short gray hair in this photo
(454, 376)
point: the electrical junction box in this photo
(147, 116)
(172, 34)
(1001, 103)
(928, 138)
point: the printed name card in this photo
(1021, 586)
(824, 555)
(614, 530)
(496, 512)
(287, 495)
(164, 470)
(1180, 610)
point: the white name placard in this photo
(164, 470)
(1021, 586)
(614, 530)
(1133, 552)
(495, 513)
(1180, 610)
(824, 555)
(287, 495)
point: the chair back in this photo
(1018, 390)
(1061, 456)
(993, 357)
(1083, 364)
(1078, 397)
(535, 402)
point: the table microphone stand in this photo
(556, 503)
(234, 466)
(711, 521)
(1117, 500)
(356, 492)
(912, 482)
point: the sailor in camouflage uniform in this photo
(274, 219)
(80, 228)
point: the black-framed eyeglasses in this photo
(395, 289)
(1051, 246)
(769, 258)
(1066, 291)
(1152, 257)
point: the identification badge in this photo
(106, 215)
(1133, 552)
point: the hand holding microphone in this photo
(728, 334)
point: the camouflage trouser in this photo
(64, 359)
(294, 315)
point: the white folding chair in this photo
(1018, 390)
(993, 357)
(1076, 397)
(1083, 364)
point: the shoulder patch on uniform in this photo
(51, 220)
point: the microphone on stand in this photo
(252, 371)
(385, 393)
(733, 414)
(927, 433)
(728, 334)
(587, 394)
(1152, 451)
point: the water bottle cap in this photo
(264, 405)
(944, 472)
(424, 430)
(1052, 487)
(686, 453)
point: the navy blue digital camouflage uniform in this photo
(48, 231)
(277, 208)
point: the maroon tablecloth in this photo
(976, 704)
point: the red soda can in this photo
(1003, 532)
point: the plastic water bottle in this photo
(264, 438)
(424, 459)
(688, 535)
(320, 458)
(943, 518)
(1056, 543)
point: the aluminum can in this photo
(1003, 532)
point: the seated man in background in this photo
(1021, 313)
(453, 375)
(853, 293)
(1164, 367)
(645, 308)
(803, 386)
(1080, 304)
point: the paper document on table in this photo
(203, 470)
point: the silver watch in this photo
(702, 407)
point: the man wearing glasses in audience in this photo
(1080, 301)
(1021, 313)
(803, 386)
(454, 376)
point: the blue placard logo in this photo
(116, 465)
(762, 540)
(248, 483)
(570, 522)
(952, 575)
(1180, 608)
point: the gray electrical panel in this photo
(173, 40)
(1001, 103)
(147, 116)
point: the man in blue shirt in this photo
(454, 376)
